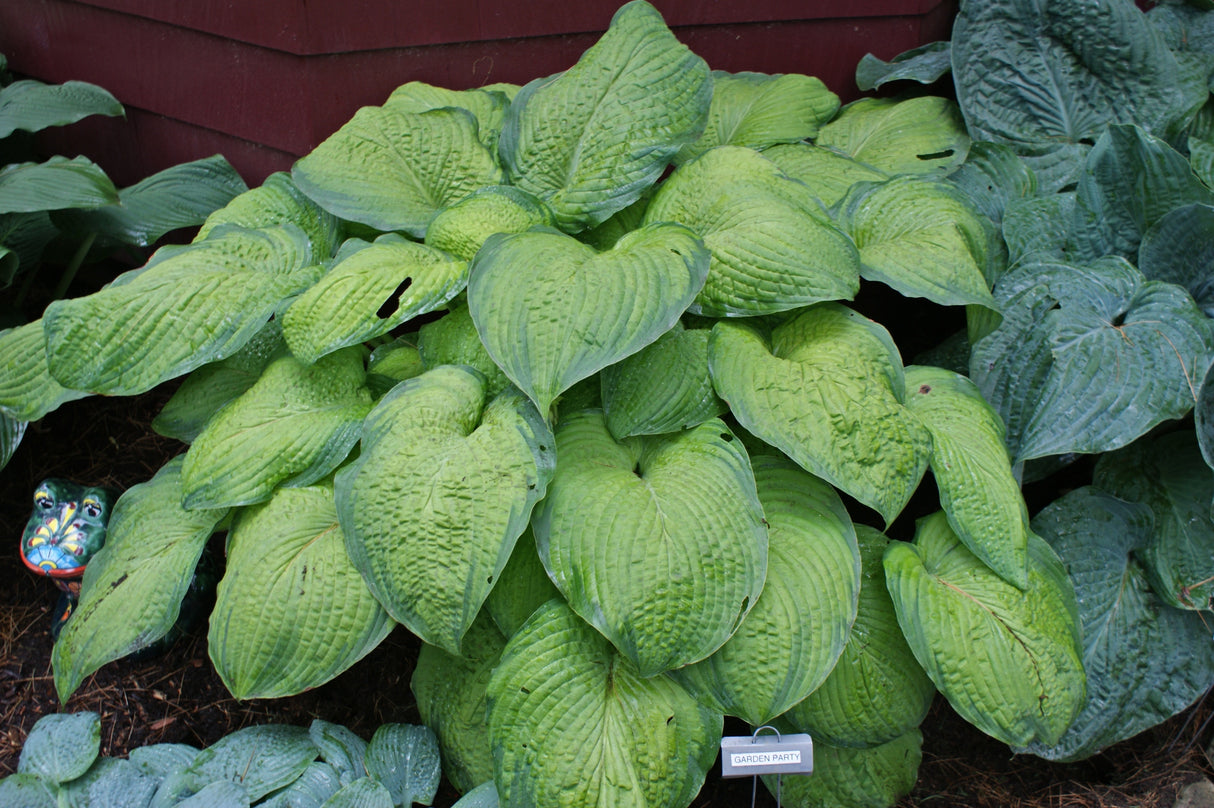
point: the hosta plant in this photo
(597, 386)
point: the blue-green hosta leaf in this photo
(757, 110)
(913, 136)
(55, 184)
(991, 177)
(522, 587)
(657, 542)
(973, 472)
(27, 389)
(922, 238)
(483, 796)
(276, 201)
(369, 293)
(435, 502)
(452, 340)
(206, 390)
(365, 792)
(200, 304)
(590, 140)
(1129, 182)
(827, 173)
(1046, 79)
(1169, 476)
(23, 238)
(1201, 158)
(1179, 249)
(273, 631)
(826, 389)
(217, 794)
(27, 791)
(664, 387)
(552, 311)
(295, 425)
(1039, 228)
(855, 778)
(133, 586)
(462, 228)
(1203, 416)
(487, 105)
(1088, 358)
(773, 247)
(118, 784)
(452, 692)
(162, 759)
(877, 692)
(314, 787)
(1145, 662)
(262, 759)
(1008, 660)
(796, 631)
(394, 171)
(183, 195)
(924, 64)
(340, 748)
(61, 747)
(573, 722)
(32, 106)
(404, 757)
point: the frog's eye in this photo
(44, 500)
(92, 507)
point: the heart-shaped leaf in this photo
(197, 305)
(433, 505)
(60, 748)
(291, 428)
(592, 139)
(262, 759)
(914, 136)
(272, 632)
(27, 389)
(340, 748)
(572, 721)
(552, 311)
(773, 247)
(369, 293)
(1145, 662)
(1008, 660)
(796, 631)
(404, 757)
(55, 184)
(826, 389)
(658, 542)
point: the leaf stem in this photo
(69, 272)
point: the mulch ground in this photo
(179, 698)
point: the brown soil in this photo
(179, 698)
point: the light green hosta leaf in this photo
(365, 792)
(605, 235)
(991, 177)
(855, 778)
(1145, 662)
(276, 201)
(571, 721)
(1169, 476)
(61, 747)
(200, 304)
(451, 693)
(27, 791)
(1045, 79)
(658, 542)
(183, 195)
(134, 585)
(394, 362)
(826, 389)
(914, 136)
(925, 64)
(829, 174)
(55, 184)
(262, 759)
(973, 472)
(393, 171)
(522, 587)
(664, 387)
(443, 487)
(294, 426)
(758, 110)
(487, 105)
(11, 432)
(590, 140)
(1179, 249)
(206, 390)
(877, 691)
(1088, 358)
(552, 311)
(922, 238)
(1008, 660)
(369, 293)
(273, 631)
(27, 390)
(462, 228)
(317, 784)
(773, 247)
(404, 758)
(796, 631)
(32, 106)
(452, 340)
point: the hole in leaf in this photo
(725, 436)
(935, 155)
(489, 580)
(389, 306)
(1119, 320)
(525, 692)
(924, 389)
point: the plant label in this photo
(749, 755)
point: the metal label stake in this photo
(750, 756)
